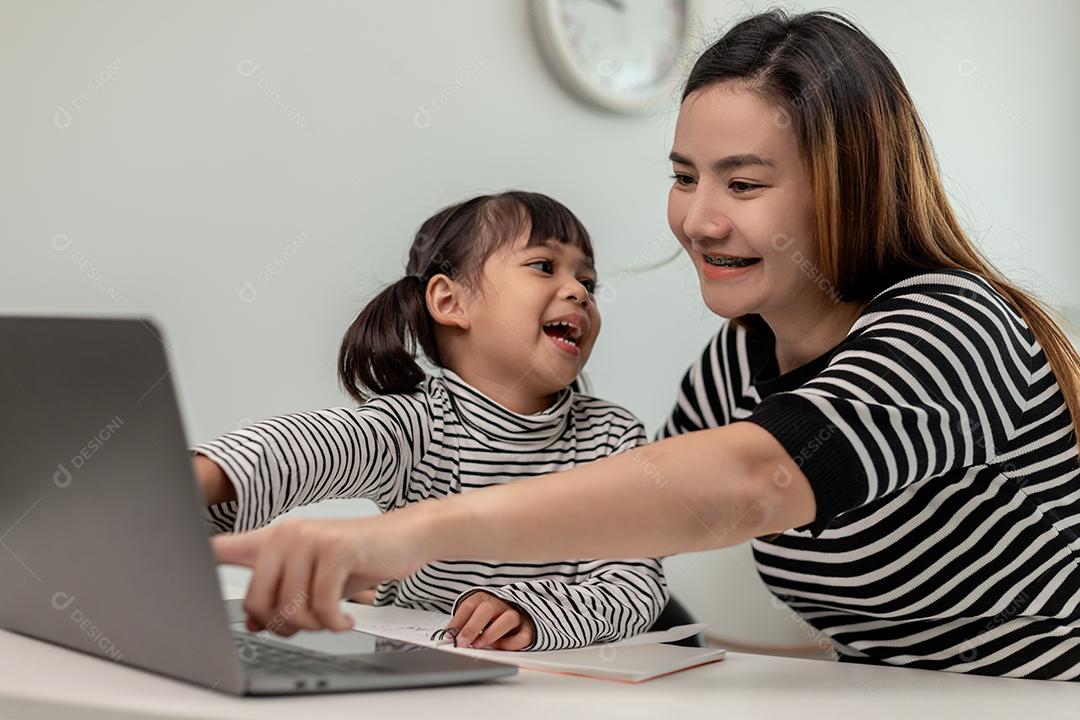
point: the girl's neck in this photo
(810, 331)
(517, 396)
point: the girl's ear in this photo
(445, 301)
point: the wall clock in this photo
(619, 55)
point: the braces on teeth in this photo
(729, 261)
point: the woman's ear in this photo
(446, 302)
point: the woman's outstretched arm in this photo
(698, 491)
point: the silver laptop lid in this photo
(101, 549)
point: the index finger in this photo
(240, 549)
(465, 610)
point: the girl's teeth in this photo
(565, 338)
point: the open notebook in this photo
(636, 659)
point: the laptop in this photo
(103, 544)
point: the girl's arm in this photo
(252, 475)
(614, 600)
(697, 491)
(212, 479)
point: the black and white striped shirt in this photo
(944, 465)
(444, 439)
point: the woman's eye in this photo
(682, 179)
(739, 187)
(546, 266)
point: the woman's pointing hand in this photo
(302, 568)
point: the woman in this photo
(889, 421)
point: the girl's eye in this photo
(739, 187)
(548, 268)
(682, 179)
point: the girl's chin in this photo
(562, 372)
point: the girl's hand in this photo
(304, 567)
(216, 488)
(364, 597)
(486, 621)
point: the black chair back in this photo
(674, 615)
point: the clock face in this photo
(617, 53)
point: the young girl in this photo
(498, 292)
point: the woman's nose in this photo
(705, 219)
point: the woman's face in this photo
(741, 204)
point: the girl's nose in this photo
(575, 292)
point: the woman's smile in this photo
(726, 267)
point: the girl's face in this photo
(535, 317)
(741, 204)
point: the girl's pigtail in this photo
(378, 352)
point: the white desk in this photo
(38, 680)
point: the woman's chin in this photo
(727, 307)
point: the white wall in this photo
(146, 170)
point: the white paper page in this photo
(662, 636)
(417, 626)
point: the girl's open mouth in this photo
(565, 335)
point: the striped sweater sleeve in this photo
(612, 600)
(284, 462)
(934, 376)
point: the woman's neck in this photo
(810, 331)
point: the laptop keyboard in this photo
(278, 659)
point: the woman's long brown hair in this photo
(880, 205)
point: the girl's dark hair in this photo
(378, 353)
(880, 206)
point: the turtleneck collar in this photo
(493, 425)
